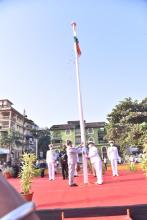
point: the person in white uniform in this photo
(72, 161)
(113, 156)
(76, 166)
(50, 160)
(95, 161)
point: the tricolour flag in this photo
(77, 45)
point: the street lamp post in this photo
(23, 127)
(36, 144)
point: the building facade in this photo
(94, 131)
(14, 121)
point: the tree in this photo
(127, 123)
(44, 138)
(10, 139)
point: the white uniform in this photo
(96, 163)
(50, 159)
(113, 157)
(76, 172)
(72, 161)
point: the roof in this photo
(7, 101)
(95, 125)
(18, 113)
(76, 124)
(62, 127)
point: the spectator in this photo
(42, 167)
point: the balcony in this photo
(4, 127)
(5, 107)
(4, 118)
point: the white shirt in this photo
(72, 154)
(113, 153)
(50, 156)
(93, 154)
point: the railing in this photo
(4, 117)
(5, 127)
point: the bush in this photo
(27, 172)
(8, 172)
(144, 159)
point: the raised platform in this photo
(116, 194)
(127, 189)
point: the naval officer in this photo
(72, 161)
(50, 160)
(95, 161)
(113, 156)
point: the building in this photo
(94, 131)
(14, 121)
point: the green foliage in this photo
(132, 167)
(37, 172)
(27, 172)
(144, 158)
(127, 123)
(44, 138)
(7, 139)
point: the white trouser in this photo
(71, 172)
(76, 173)
(51, 170)
(114, 167)
(98, 168)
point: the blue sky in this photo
(37, 69)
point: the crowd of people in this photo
(68, 161)
(68, 158)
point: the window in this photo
(77, 131)
(56, 141)
(101, 134)
(90, 131)
(101, 129)
(68, 131)
(78, 140)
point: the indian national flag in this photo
(77, 45)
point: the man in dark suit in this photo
(63, 161)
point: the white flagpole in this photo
(82, 126)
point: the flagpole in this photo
(82, 126)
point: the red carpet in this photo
(129, 188)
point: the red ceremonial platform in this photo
(125, 191)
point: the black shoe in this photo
(74, 184)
